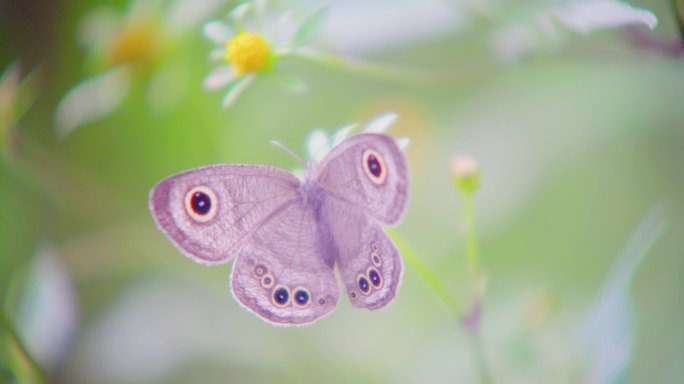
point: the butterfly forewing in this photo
(207, 212)
(369, 172)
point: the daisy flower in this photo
(245, 50)
(135, 47)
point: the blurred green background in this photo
(576, 145)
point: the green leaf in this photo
(309, 28)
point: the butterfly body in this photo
(288, 235)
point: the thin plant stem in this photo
(480, 356)
(678, 7)
(473, 319)
(7, 324)
(471, 239)
(388, 73)
(428, 275)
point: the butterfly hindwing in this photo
(206, 212)
(369, 263)
(281, 273)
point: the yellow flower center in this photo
(248, 52)
(136, 43)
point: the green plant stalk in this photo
(473, 269)
(11, 330)
(387, 73)
(678, 7)
(483, 367)
(471, 240)
(428, 275)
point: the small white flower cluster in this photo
(543, 29)
(319, 143)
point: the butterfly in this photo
(289, 235)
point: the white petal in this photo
(280, 24)
(587, 16)
(235, 89)
(47, 316)
(260, 8)
(310, 27)
(342, 134)
(217, 54)
(299, 173)
(381, 123)
(403, 143)
(185, 14)
(92, 100)
(217, 31)
(218, 78)
(239, 11)
(317, 145)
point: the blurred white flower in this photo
(588, 16)
(48, 313)
(245, 49)
(129, 47)
(157, 326)
(319, 143)
(607, 334)
(544, 29)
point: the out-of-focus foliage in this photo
(576, 125)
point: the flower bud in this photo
(466, 173)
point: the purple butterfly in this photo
(287, 235)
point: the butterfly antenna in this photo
(286, 149)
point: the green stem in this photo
(471, 239)
(679, 15)
(387, 73)
(11, 330)
(483, 366)
(428, 275)
(473, 269)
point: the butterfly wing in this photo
(369, 263)
(284, 273)
(369, 172)
(207, 212)
(365, 179)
